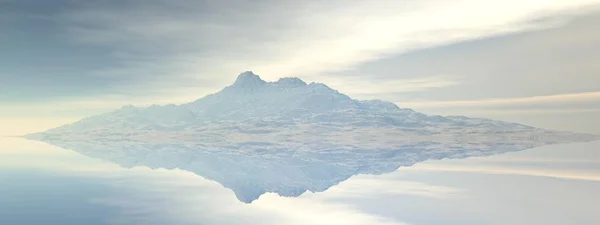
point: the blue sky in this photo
(526, 61)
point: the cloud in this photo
(364, 186)
(106, 54)
(369, 88)
(71, 109)
(172, 42)
(560, 174)
(561, 98)
(534, 160)
(523, 112)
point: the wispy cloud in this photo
(156, 51)
(364, 186)
(200, 42)
(523, 112)
(561, 174)
(534, 160)
(361, 87)
(561, 98)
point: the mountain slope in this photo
(260, 121)
(288, 99)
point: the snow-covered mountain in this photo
(288, 137)
(288, 98)
(286, 102)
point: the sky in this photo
(527, 61)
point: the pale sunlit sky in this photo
(528, 61)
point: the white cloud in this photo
(363, 186)
(359, 86)
(177, 51)
(533, 160)
(520, 112)
(561, 98)
(309, 39)
(552, 173)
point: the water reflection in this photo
(252, 171)
(42, 184)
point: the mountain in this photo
(288, 136)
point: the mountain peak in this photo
(248, 80)
(247, 73)
(291, 82)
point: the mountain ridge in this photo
(297, 123)
(287, 99)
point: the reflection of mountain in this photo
(252, 171)
(288, 137)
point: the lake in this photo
(550, 185)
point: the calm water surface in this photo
(560, 184)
